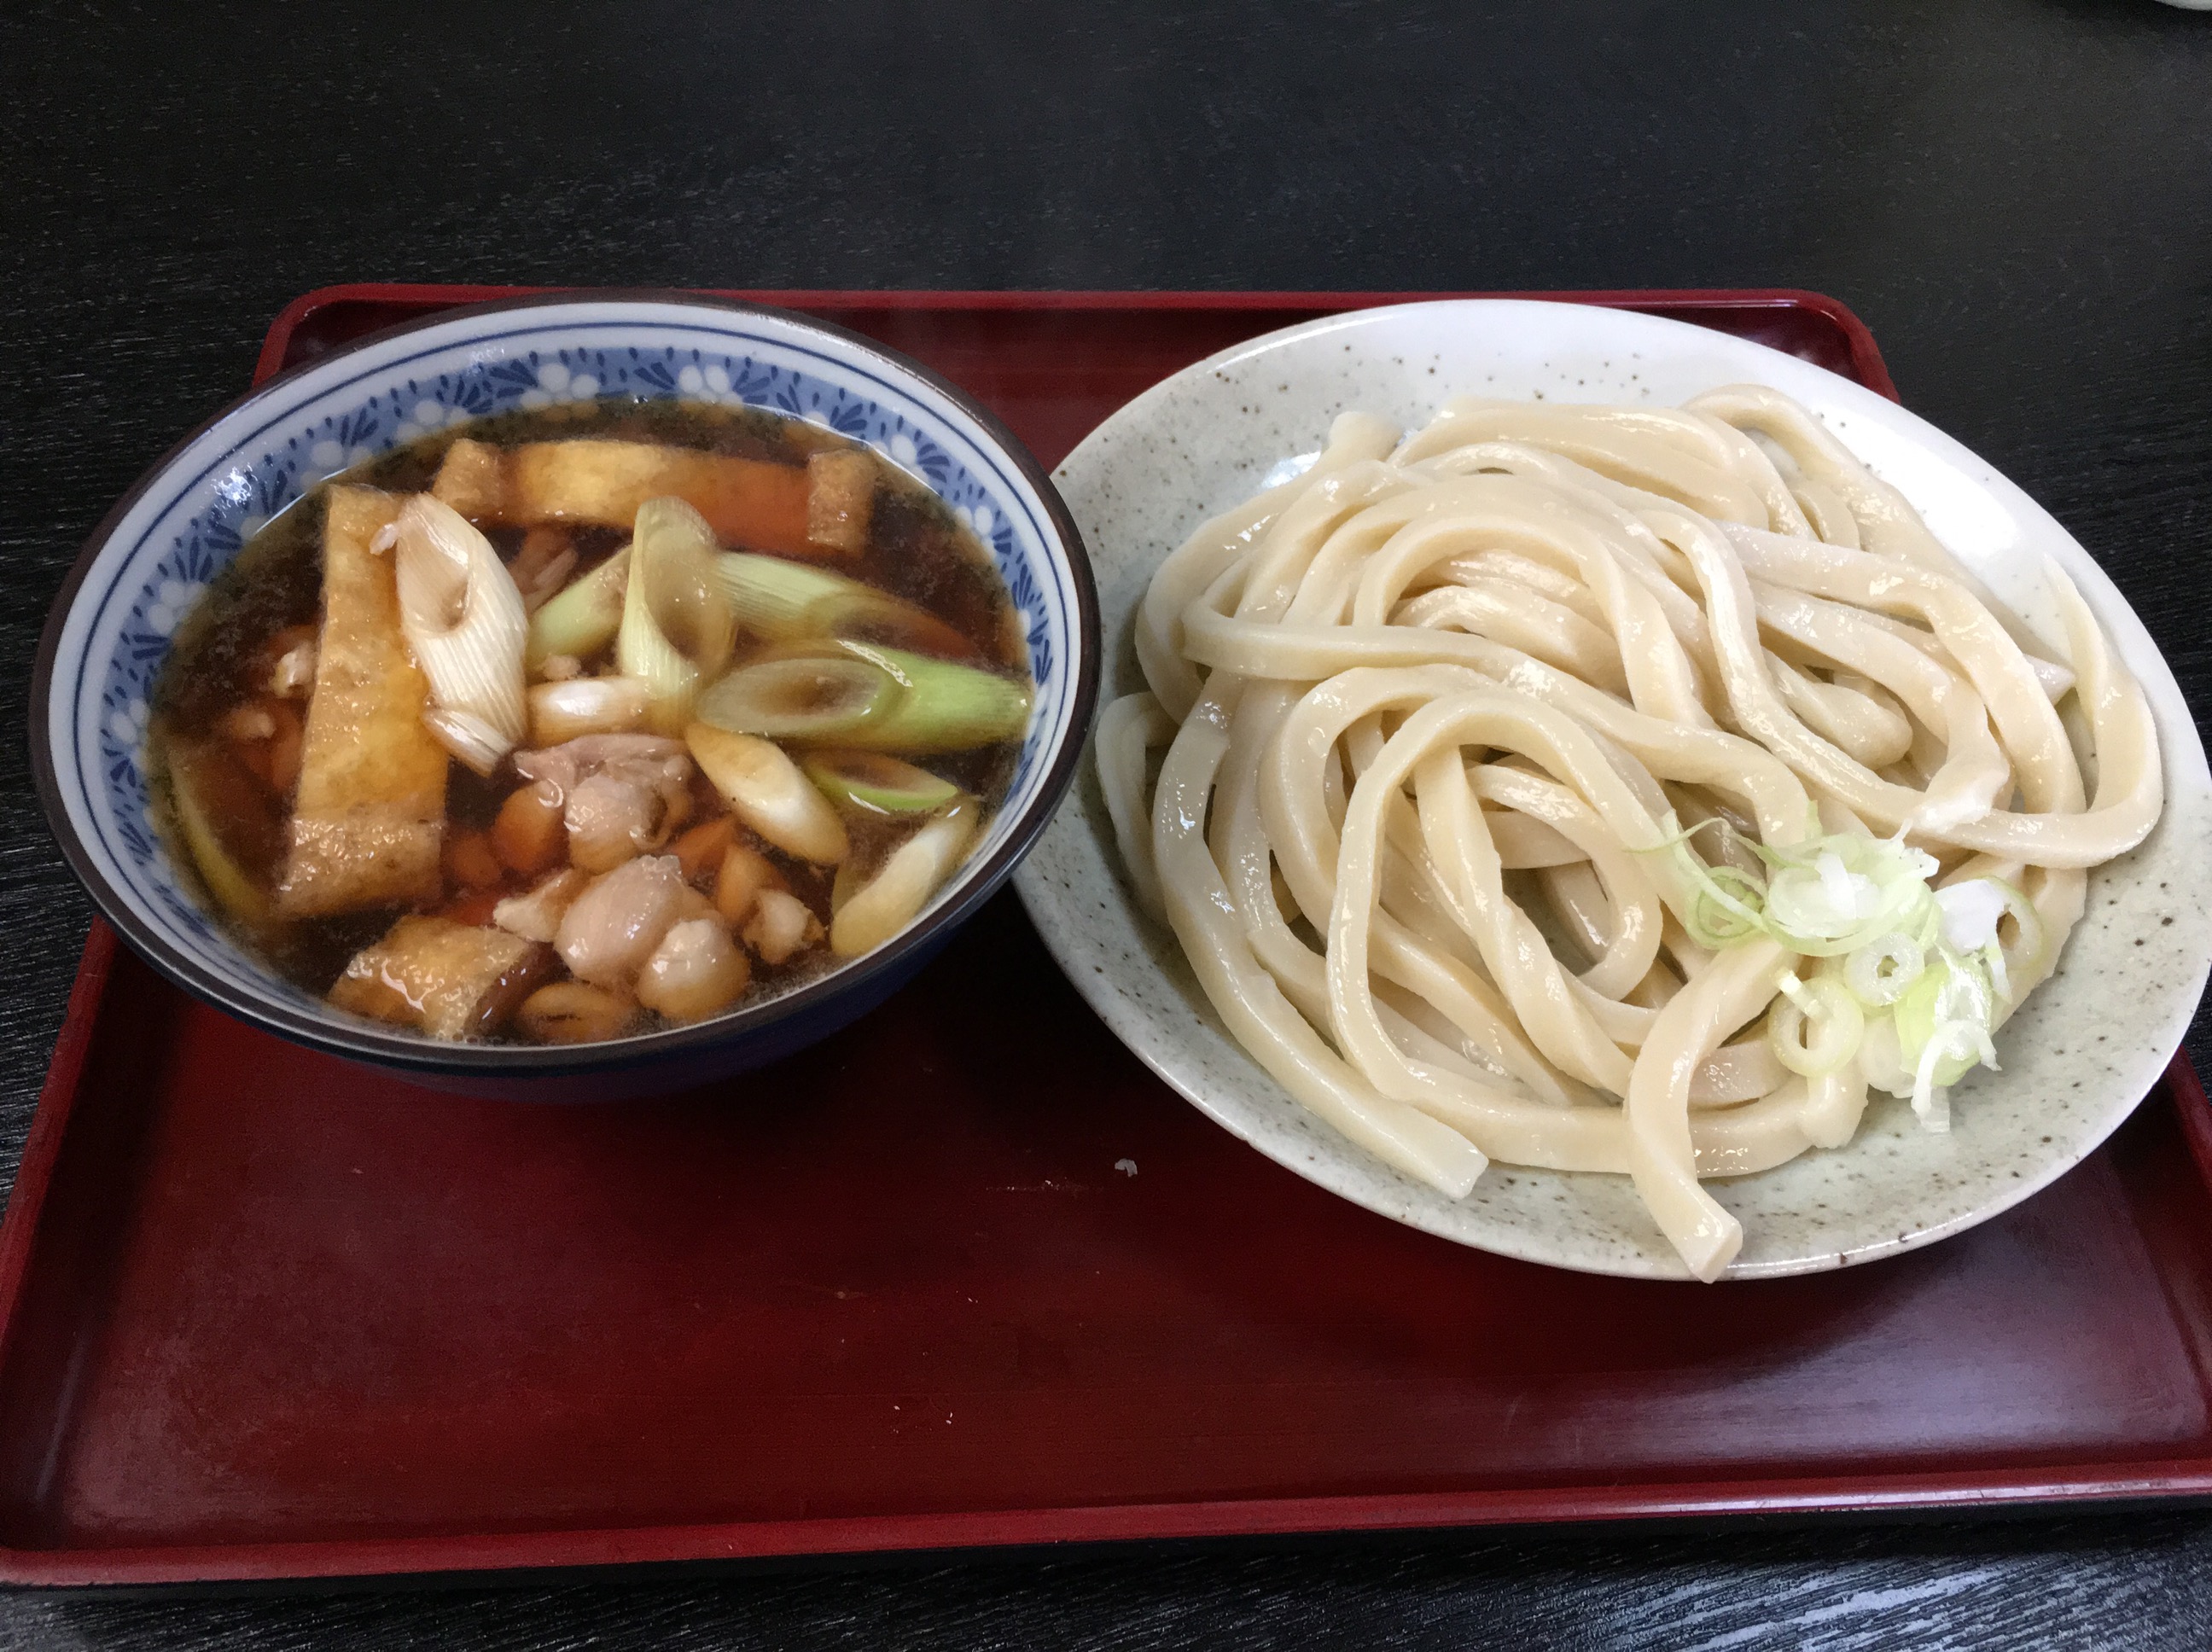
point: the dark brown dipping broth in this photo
(916, 550)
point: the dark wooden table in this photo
(2016, 195)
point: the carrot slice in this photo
(475, 909)
(530, 835)
(745, 872)
(700, 850)
(470, 862)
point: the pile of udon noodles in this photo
(1512, 767)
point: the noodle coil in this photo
(1553, 785)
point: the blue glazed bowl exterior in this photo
(142, 571)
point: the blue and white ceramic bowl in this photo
(142, 569)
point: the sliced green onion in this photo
(1833, 1013)
(1974, 916)
(1835, 893)
(1991, 959)
(582, 619)
(880, 909)
(586, 705)
(1724, 904)
(1971, 911)
(876, 784)
(784, 601)
(1943, 1023)
(1721, 904)
(805, 698)
(868, 697)
(227, 825)
(468, 738)
(764, 789)
(945, 708)
(1880, 972)
(464, 623)
(1951, 989)
(1954, 1049)
(676, 632)
(1929, 1103)
(1826, 898)
(1842, 895)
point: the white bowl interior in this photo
(197, 512)
(2076, 1059)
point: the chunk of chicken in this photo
(611, 930)
(569, 761)
(537, 915)
(611, 817)
(782, 924)
(694, 972)
(623, 794)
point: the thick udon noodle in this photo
(1436, 711)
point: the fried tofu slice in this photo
(472, 479)
(840, 499)
(452, 981)
(369, 818)
(746, 501)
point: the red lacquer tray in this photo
(968, 1275)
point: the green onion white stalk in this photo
(465, 621)
(199, 787)
(783, 601)
(676, 632)
(1879, 972)
(917, 869)
(764, 789)
(583, 619)
(586, 705)
(1816, 1027)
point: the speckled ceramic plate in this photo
(2086, 1048)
